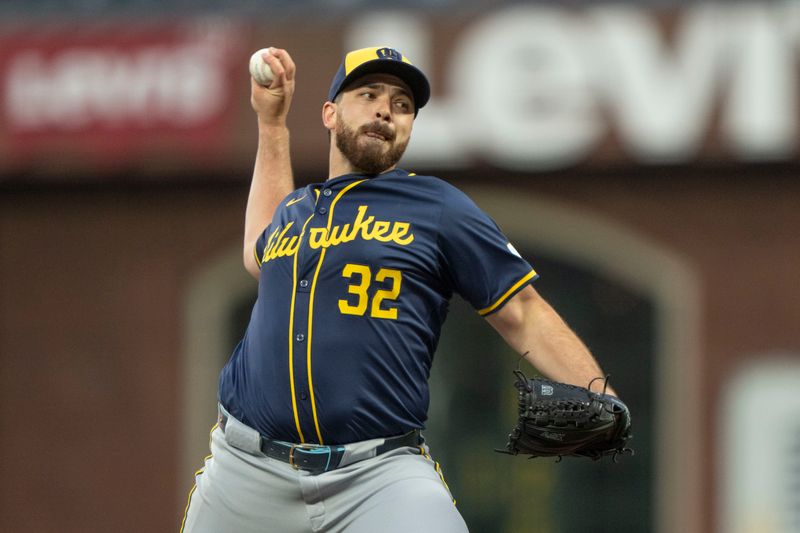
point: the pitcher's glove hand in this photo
(557, 420)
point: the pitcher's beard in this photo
(371, 159)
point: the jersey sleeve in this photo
(480, 262)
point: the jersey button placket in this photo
(323, 201)
(305, 269)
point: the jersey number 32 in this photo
(361, 280)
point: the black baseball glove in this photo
(557, 420)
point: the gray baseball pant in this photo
(240, 491)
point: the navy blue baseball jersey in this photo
(356, 276)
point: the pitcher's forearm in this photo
(531, 326)
(557, 352)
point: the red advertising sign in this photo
(117, 91)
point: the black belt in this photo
(316, 458)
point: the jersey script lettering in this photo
(279, 244)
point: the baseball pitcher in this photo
(322, 403)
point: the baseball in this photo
(259, 69)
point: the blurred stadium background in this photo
(645, 156)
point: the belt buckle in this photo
(302, 447)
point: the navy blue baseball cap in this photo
(381, 60)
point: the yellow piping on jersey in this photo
(508, 293)
(291, 334)
(311, 309)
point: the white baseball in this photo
(259, 69)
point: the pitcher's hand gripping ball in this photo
(259, 69)
(557, 420)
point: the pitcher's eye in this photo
(404, 105)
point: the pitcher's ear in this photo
(329, 110)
